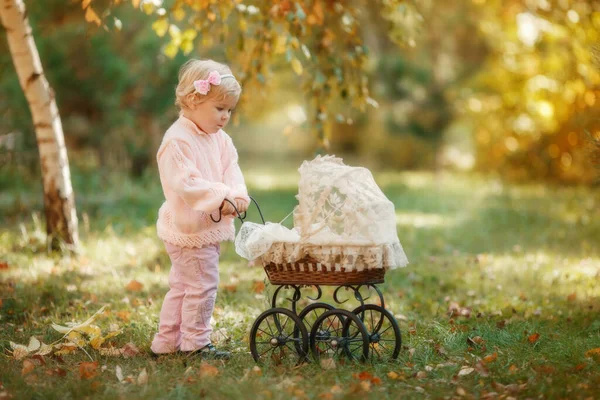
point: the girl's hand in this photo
(241, 205)
(226, 207)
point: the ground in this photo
(500, 299)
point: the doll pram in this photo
(327, 247)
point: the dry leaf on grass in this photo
(328, 363)
(119, 373)
(28, 366)
(208, 370)
(142, 377)
(490, 358)
(465, 371)
(593, 352)
(134, 286)
(88, 370)
(533, 338)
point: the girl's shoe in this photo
(210, 352)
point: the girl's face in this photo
(212, 115)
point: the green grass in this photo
(519, 260)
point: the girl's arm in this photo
(176, 166)
(232, 175)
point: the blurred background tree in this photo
(509, 88)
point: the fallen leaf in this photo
(328, 363)
(56, 372)
(44, 350)
(28, 366)
(475, 340)
(336, 389)
(513, 368)
(256, 370)
(392, 375)
(87, 370)
(465, 371)
(258, 286)
(3, 265)
(593, 352)
(19, 351)
(119, 373)
(208, 370)
(376, 380)
(363, 376)
(142, 377)
(580, 367)
(490, 358)
(123, 315)
(134, 286)
(572, 297)
(129, 350)
(34, 344)
(421, 375)
(460, 391)
(75, 326)
(533, 338)
(232, 287)
(482, 369)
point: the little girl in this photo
(199, 172)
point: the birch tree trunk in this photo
(59, 203)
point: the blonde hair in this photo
(186, 95)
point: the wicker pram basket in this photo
(311, 272)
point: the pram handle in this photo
(241, 218)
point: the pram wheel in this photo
(312, 312)
(278, 337)
(385, 340)
(339, 334)
(309, 315)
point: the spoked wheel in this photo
(339, 334)
(278, 337)
(385, 340)
(309, 315)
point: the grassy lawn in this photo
(500, 300)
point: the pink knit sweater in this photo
(197, 171)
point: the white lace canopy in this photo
(342, 219)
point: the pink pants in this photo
(188, 306)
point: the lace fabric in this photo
(342, 219)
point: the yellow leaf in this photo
(178, 14)
(96, 342)
(593, 352)
(85, 3)
(76, 338)
(296, 66)
(65, 329)
(135, 286)
(171, 50)
(189, 34)
(186, 46)
(90, 330)
(65, 348)
(207, 370)
(91, 16)
(160, 26)
(135, 3)
(392, 375)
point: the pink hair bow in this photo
(203, 85)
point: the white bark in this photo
(59, 204)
